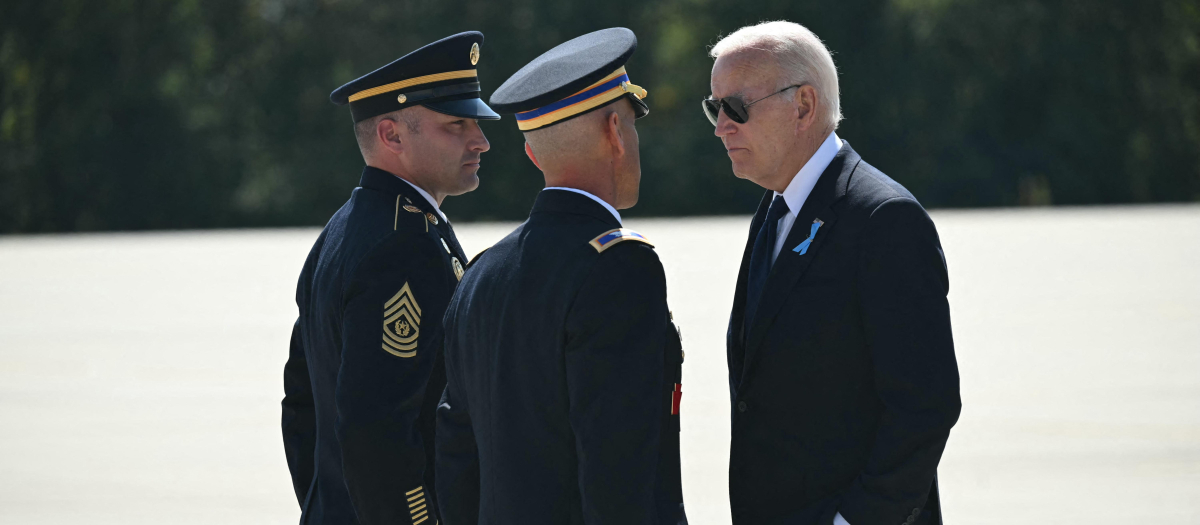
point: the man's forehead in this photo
(742, 73)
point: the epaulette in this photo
(611, 238)
(404, 207)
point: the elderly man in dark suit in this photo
(842, 373)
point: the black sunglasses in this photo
(734, 108)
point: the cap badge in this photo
(475, 53)
(401, 98)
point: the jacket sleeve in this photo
(457, 456)
(299, 419)
(391, 333)
(615, 337)
(903, 284)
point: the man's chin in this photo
(470, 182)
(627, 202)
(740, 171)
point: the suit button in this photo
(742, 406)
(910, 520)
(916, 512)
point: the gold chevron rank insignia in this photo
(401, 323)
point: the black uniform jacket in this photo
(846, 386)
(560, 364)
(365, 370)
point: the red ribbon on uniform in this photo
(676, 395)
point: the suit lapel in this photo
(734, 338)
(790, 266)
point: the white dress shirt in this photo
(429, 198)
(795, 194)
(802, 184)
(606, 205)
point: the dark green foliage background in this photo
(128, 115)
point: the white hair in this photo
(800, 55)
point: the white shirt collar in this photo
(429, 198)
(606, 205)
(802, 184)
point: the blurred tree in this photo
(185, 114)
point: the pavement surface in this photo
(141, 374)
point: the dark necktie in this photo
(760, 260)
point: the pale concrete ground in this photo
(140, 374)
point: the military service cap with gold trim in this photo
(578, 76)
(440, 76)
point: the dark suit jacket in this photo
(846, 386)
(560, 365)
(365, 370)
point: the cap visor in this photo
(466, 108)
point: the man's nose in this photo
(480, 142)
(725, 125)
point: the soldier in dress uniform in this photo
(562, 362)
(365, 369)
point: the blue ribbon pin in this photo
(802, 248)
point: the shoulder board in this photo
(611, 238)
(408, 215)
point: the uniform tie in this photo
(760, 260)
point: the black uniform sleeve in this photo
(457, 457)
(391, 332)
(903, 283)
(615, 335)
(299, 419)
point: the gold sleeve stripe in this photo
(414, 511)
(423, 518)
(419, 514)
(427, 79)
(415, 503)
(417, 495)
(419, 487)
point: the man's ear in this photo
(387, 132)
(529, 153)
(612, 131)
(806, 106)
